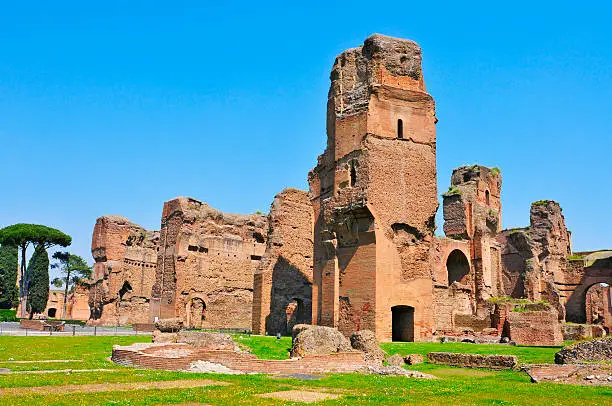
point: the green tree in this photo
(22, 236)
(38, 274)
(74, 269)
(8, 277)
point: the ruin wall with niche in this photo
(205, 265)
(282, 295)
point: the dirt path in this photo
(108, 387)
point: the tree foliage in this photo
(22, 235)
(19, 234)
(38, 274)
(8, 277)
(74, 269)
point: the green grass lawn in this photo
(454, 386)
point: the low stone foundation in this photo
(576, 374)
(473, 360)
(179, 357)
(586, 351)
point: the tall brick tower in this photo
(374, 194)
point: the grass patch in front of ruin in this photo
(264, 347)
(454, 386)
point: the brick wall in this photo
(473, 360)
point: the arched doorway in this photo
(196, 312)
(458, 268)
(402, 323)
(51, 312)
(598, 304)
(295, 314)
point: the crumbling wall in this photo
(582, 275)
(205, 265)
(125, 257)
(282, 292)
(374, 193)
(535, 259)
(78, 303)
(451, 297)
(528, 327)
(472, 212)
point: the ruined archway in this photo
(195, 311)
(600, 272)
(598, 305)
(402, 323)
(458, 268)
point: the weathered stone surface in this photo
(586, 351)
(282, 288)
(172, 325)
(414, 359)
(576, 332)
(395, 371)
(319, 340)
(365, 341)
(473, 360)
(164, 337)
(205, 265)
(395, 360)
(125, 257)
(537, 256)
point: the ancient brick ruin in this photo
(205, 265)
(358, 250)
(125, 257)
(283, 281)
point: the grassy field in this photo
(92, 379)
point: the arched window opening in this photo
(458, 268)
(488, 197)
(353, 174)
(400, 128)
(51, 312)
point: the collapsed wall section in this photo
(205, 265)
(282, 293)
(535, 259)
(125, 256)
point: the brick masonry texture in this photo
(473, 360)
(283, 280)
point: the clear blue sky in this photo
(116, 107)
